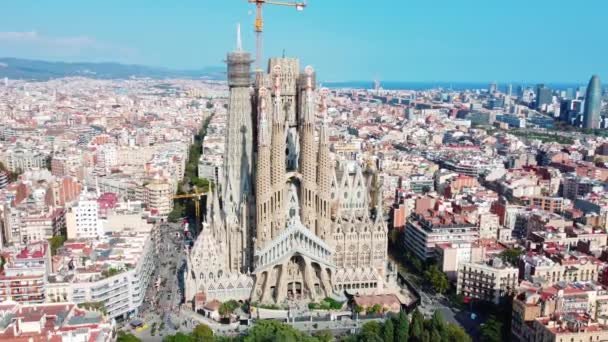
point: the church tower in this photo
(239, 157)
(324, 175)
(308, 162)
(263, 185)
(278, 148)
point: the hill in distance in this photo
(17, 68)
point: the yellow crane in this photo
(259, 24)
(196, 197)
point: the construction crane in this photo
(259, 24)
(196, 196)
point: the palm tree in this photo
(225, 309)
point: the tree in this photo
(403, 328)
(369, 337)
(491, 331)
(457, 334)
(358, 309)
(417, 325)
(177, 213)
(56, 242)
(201, 183)
(438, 279)
(435, 335)
(426, 336)
(394, 237)
(227, 308)
(511, 255)
(267, 330)
(202, 333)
(437, 322)
(179, 337)
(372, 328)
(126, 337)
(349, 338)
(375, 309)
(388, 333)
(324, 336)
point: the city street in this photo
(164, 295)
(431, 302)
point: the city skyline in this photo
(394, 42)
(254, 203)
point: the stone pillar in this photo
(266, 295)
(326, 282)
(282, 283)
(308, 279)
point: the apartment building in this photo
(423, 232)
(24, 275)
(53, 322)
(82, 219)
(158, 196)
(565, 311)
(117, 275)
(487, 281)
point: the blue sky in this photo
(399, 40)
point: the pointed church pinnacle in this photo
(276, 73)
(239, 43)
(309, 111)
(308, 71)
(324, 94)
(262, 97)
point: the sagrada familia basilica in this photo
(290, 220)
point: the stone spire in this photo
(323, 137)
(308, 163)
(263, 131)
(239, 43)
(324, 173)
(263, 186)
(238, 161)
(239, 132)
(214, 215)
(377, 189)
(277, 149)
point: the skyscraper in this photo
(593, 103)
(570, 93)
(492, 88)
(543, 96)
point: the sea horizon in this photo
(424, 85)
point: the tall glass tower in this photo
(593, 103)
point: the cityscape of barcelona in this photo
(315, 171)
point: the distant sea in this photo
(445, 85)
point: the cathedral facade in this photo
(289, 221)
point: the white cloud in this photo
(33, 37)
(17, 36)
(39, 45)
